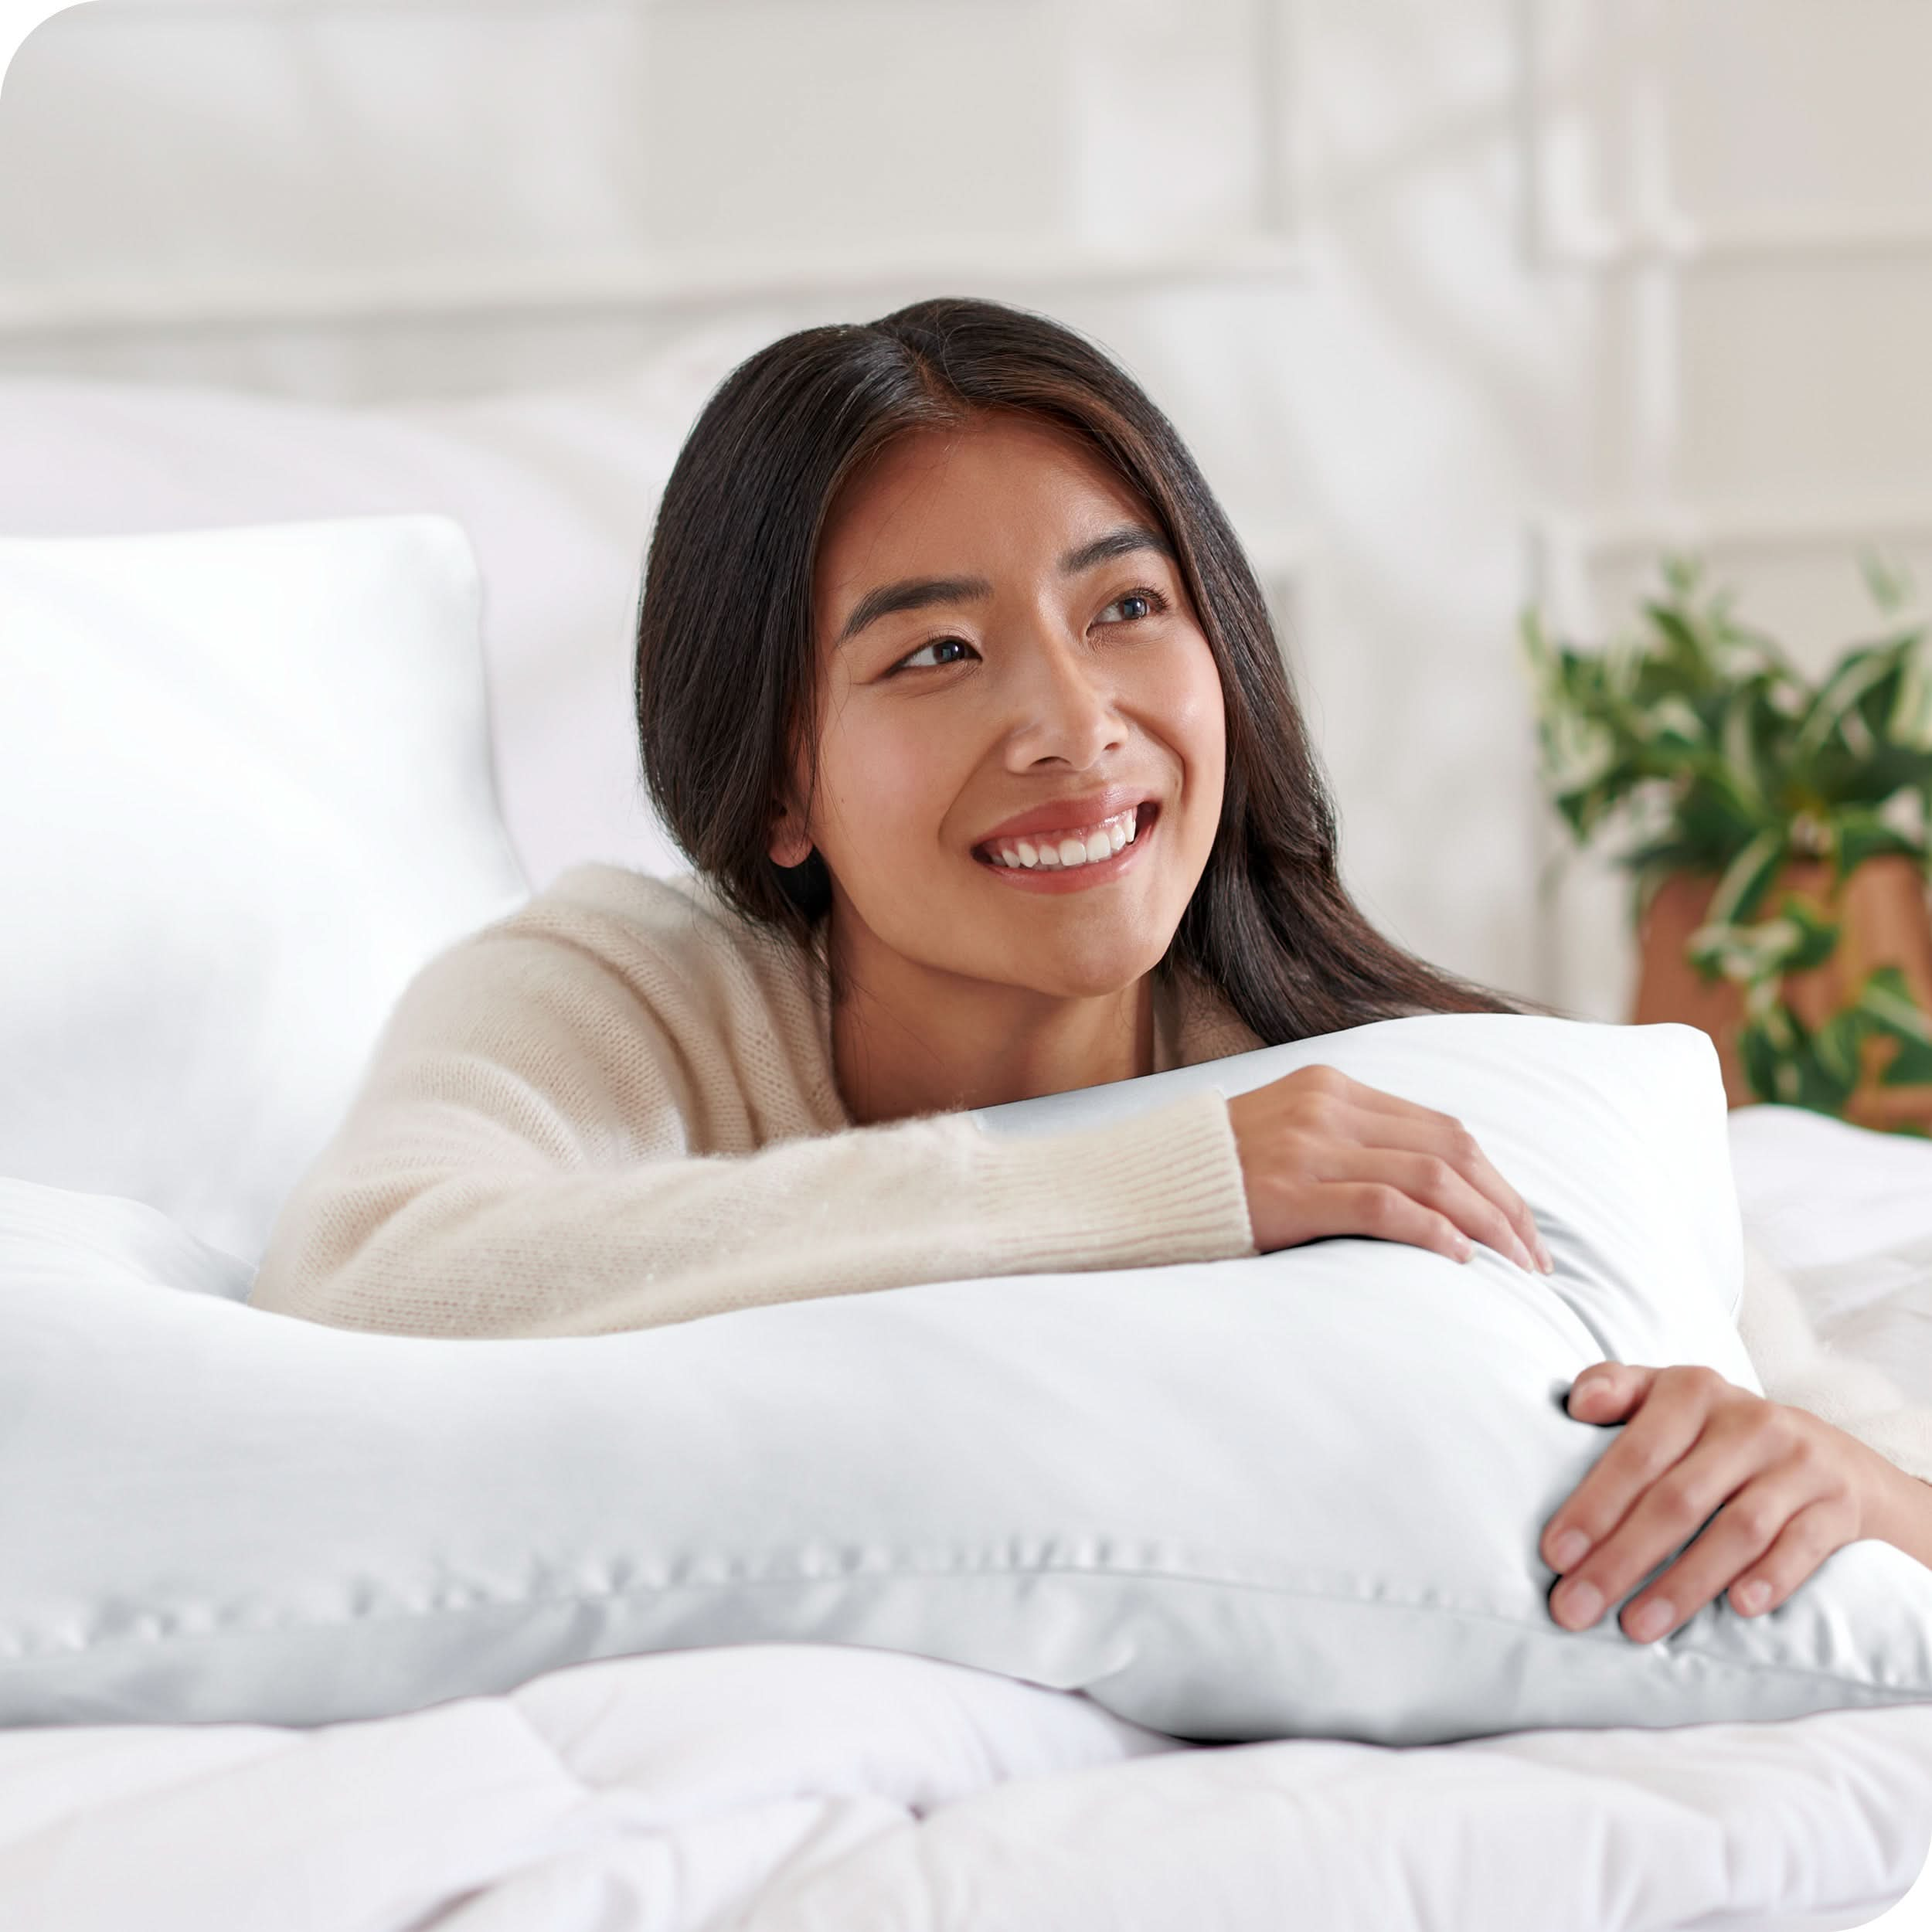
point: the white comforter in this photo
(779, 1788)
(783, 1788)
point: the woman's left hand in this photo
(1778, 1489)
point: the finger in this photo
(1738, 1539)
(1684, 1498)
(1402, 1123)
(1382, 1212)
(1604, 1392)
(1435, 1184)
(1662, 1431)
(1608, 1392)
(1811, 1536)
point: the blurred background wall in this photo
(1460, 302)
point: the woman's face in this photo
(1002, 635)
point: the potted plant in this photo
(1783, 839)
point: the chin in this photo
(1090, 975)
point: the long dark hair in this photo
(726, 664)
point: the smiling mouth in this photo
(1145, 815)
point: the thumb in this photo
(1607, 1390)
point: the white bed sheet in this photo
(800, 1788)
(808, 1789)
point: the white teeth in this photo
(1085, 848)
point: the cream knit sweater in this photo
(616, 1108)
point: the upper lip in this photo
(1068, 814)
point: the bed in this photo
(773, 1787)
(754, 1787)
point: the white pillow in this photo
(246, 777)
(52, 1239)
(555, 487)
(1299, 1494)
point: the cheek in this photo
(1187, 699)
(887, 787)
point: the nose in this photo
(1063, 706)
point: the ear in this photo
(788, 845)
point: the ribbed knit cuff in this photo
(1165, 1186)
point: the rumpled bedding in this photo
(778, 1787)
(808, 1789)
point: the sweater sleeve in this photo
(519, 1162)
(1796, 1368)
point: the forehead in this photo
(948, 499)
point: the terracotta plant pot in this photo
(1886, 923)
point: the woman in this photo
(953, 682)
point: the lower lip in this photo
(1073, 879)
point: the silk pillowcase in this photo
(1295, 1495)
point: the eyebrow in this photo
(920, 593)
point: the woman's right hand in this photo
(1322, 1154)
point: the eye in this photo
(1151, 603)
(937, 643)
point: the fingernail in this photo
(1582, 1603)
(1524, 1261)
(1542, 1250)
(1751, 1596)
(1652, 1620)
(1570, 1546)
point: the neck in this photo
(909, 1039)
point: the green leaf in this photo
(1661, 857)
(1910, 725)
(1835, 1046)
(1785, 1063)
(1859, 834)
(1871, 780)
(1818, 936)
(1745, 953)
(1889, 583)
(1537, 653)
(1577, 751)
(1765, 1070)
(1673, 720)
(1781, 1063)
(1743, 746)
(1715, 822)
(1703, 735)
(1681, 572)
(1822, 1090)
(1686, 651)
(1748, 877)
(1854, 674)
(1911, 1066)
(1886, 1000)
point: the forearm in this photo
(368, 1241)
